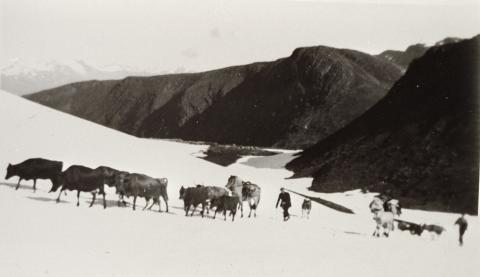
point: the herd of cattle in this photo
(85, 179)
(224, 199)
(386, 212)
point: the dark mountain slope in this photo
(296, 101)
(419, 143)
(292, 102)
(124, 104)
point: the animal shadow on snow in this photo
(353, 233)
(28, 186)
(99, 201)
(45, 199)
(114, 204)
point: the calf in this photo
(33, 169)
(306, 207)
(226, 203)
(434, 230)
(81, 178)
(140, 185)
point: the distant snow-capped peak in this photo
(31, 67)
(23, 76)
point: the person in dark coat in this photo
(285, 203)
(462, 227)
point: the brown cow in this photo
(140, 185)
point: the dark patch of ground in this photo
(226, 155)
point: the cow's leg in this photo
(78, 198)
(194, 208)
(207, 207)
(202, 212)
(153, 203)
(104, 201)
(215, 214)
(233, 215)
(34, 185)
(134, 201)
(187, 207)
(166, 203)
(94, 196)
(225, 215)
(146, 203)
(241, 208)
(385, 229)
(58, 198)
(18, 184)
(159, 204)
(121, 199)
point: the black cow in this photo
(81, 178)
(193, 196)
(36, 168)
(226, 203)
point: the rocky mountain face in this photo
(403, 58)
(292, 102)
(419, 143)
(24, 77)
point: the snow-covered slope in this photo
(28, 76)
(39, 237)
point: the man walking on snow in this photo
(284, 200)
(462, 227)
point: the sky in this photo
(189, 35)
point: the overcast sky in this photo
(207, 34)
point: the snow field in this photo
(39, 237)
